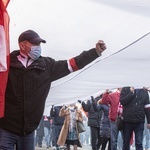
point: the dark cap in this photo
(30, 36)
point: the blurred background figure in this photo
(146, 137)
(57, 124)
(94, 119)
(69, 134)
(105, 123)
(40, 133)
(136, 107)
(47, 131)
(113, 99)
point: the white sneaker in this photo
(54, 148)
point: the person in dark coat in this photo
(104, 124)
(94, 119)
(29, 81)
(58, 122)
(136, 106)
(40, 133)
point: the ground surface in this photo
(84, 148)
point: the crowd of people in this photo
(100, 119)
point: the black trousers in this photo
(95, 138)
(56, 132)
(104, 143)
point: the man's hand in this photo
(79, 101)
(64, 106)
(92, 98)
(146, 88)
(100, 47)
(108, 91)
(132, 89)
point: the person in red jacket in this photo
(113, 99)
(29, 81)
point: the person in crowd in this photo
(58, 122)
(136, 106)
(29, 81)
(40, 133)
(104, 124)
(86, 140)
(69, 134)
(82, 134)
(94, 119)
(87, 135)
(146, 141)
(51, 132)
(47, 130)
(112, 98)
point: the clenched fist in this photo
(100, 47)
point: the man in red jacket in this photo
(112, 98)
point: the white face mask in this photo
(35, 52)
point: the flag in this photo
(4, 52)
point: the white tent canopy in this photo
(71, 26)
(127, 67)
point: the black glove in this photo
(79, 101)
(92, 98)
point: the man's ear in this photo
(21, 46)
